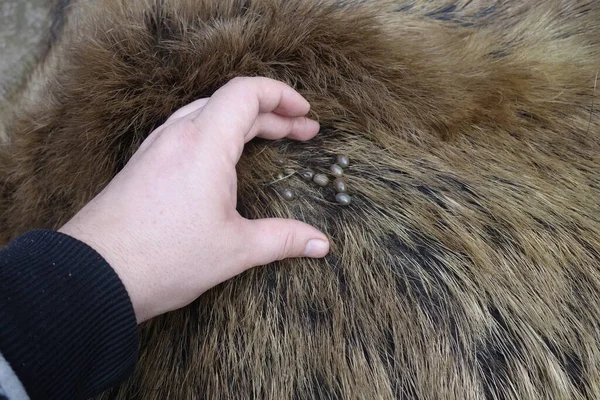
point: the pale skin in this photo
(167, 223)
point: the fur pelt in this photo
(467, 265)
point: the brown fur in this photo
(467, 266)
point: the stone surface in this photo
(22, 23)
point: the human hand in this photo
(167, 223)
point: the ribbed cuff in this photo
(67, 326)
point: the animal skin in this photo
(467, 265)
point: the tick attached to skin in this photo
(307, 175)
(321, 180)
(343, 199)
(336, 170)
(287, 194)
(343, 160)
(339, 185)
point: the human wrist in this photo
(113, 250)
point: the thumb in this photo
(275, 239)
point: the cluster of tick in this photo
(322, 180)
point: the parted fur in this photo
(467, 265)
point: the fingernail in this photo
(316, 248)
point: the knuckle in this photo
(239, 81)
(188, 130)
(292, 124)
(179, 136)
(241, 88)
(287, 247)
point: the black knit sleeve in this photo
(67, 326)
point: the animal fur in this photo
(468, 264)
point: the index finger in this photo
(234, 108)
